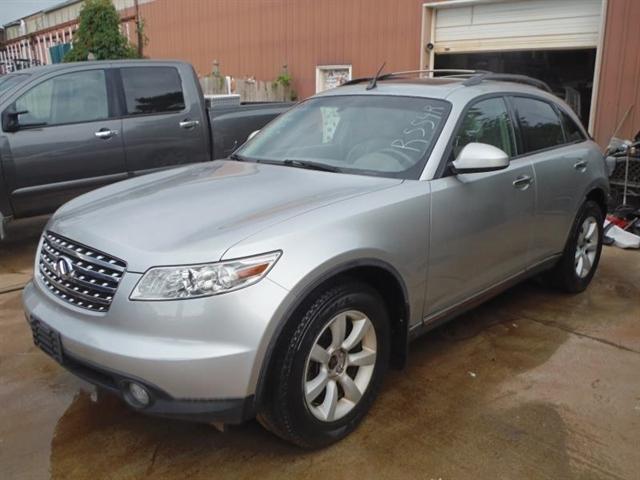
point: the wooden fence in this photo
(249, 89)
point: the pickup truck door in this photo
(164, 122)
(67, 142)
(480, 230)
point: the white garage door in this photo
(518, 24)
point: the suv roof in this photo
(422, 83)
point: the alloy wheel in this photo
(340, 366)
(587, 247)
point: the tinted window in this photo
(486, 122)
(572, 132)
(368, 134)
(152, 90)
(69, 98)
(539, 124)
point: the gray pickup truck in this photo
(70, 128)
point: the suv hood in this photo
(194, 214)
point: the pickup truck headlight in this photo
(193, 281)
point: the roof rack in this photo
(507, 77)
(472, 77)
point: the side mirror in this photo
(253, 134)
(10, 121)
(480, 157)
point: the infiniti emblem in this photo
(64, 268)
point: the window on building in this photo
(150, 90)
(69, 98)
(486, 122)
(539, 124)
(331, 76)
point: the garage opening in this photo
(569, 73)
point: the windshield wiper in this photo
(311, 165)
(239, 158)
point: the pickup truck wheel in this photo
(579, 262)
(329, 368)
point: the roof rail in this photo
(473, 77)
(386, 76)
(507, 77)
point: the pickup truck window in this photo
(68, 98)
(149, 90)
(11, 80)
(379, 135)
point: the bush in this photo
(99, 34)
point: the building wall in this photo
(255, 38)
(620, 72)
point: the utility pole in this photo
(139, 29)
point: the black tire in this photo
(285, 411)
(564, 275)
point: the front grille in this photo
(92, 280)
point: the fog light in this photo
(139, 394)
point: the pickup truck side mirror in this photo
(10, 121)
(480, 157)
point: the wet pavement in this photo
(534, 384)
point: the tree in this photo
(99, 34)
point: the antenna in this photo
(374, 80)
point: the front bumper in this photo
(199, 358)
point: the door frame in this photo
(427, 55)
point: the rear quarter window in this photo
(149, 90)
(572, 131)
(540, 125)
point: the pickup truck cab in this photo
(69, 128)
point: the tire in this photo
(300, 407)
(580, 251)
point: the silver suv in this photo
(283, 281)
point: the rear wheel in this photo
(329, 368)
(579, 262)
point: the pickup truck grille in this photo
(78, 274)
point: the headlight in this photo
(192, 281)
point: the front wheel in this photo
(329, 367)
(579, 262)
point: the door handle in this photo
(522, 182)
(189, 124)
(105, 133)
(581, 165)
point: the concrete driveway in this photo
(533, 385)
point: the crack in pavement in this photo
(16, 288)
(579, 334)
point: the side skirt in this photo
(438, 318)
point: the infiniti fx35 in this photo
(282, 282)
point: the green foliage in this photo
(284, 79)
(99, 34)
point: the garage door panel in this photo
(518, 24)
(534, 10)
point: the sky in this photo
(13, 9)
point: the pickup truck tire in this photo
(579, 262)
(318, 398)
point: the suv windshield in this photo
(368, 134)
(8, 81)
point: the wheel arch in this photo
(378, 274)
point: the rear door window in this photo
(540, 125)
(152, 90)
